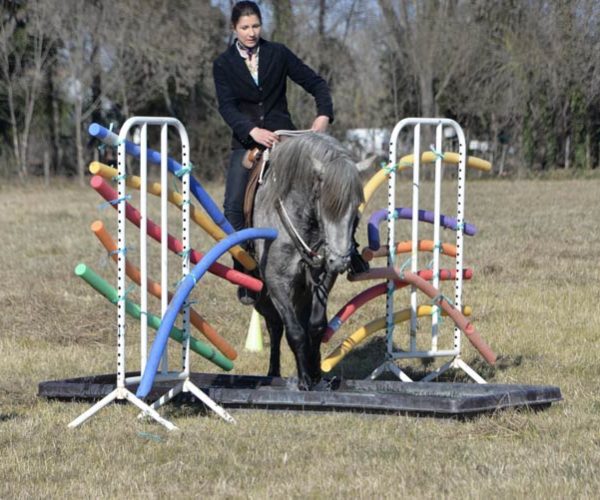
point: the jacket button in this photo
(260, 104)
(260, 88)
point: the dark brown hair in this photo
(244, 9)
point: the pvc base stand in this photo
(458, 364)
(390, 366)
(188, 386)
(121, 393)
(455, 363)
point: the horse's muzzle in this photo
(337, 263)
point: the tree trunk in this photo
(588, 149)
(15, 131)
(283, 21)
(568, 151)
(502, 160)
(78, 140)
(57, 151)
(322, 11)
(46, 168)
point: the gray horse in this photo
(310, 194)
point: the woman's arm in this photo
(228, 106)
(320, 124)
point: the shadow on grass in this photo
(7, 417)
(361, 362)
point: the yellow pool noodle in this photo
(135, 182)
(369, 329)
(406, 162)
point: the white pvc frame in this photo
(185, 385)
(413, 352)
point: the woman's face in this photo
(247, 30)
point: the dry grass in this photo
(535, 299)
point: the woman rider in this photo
(251, 81)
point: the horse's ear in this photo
(366, 164)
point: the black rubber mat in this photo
(247, 391)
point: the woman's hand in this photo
(264, 137)
(320, 124)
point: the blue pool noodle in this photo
(184, 289)
(112, 139)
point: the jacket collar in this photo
(264, 62)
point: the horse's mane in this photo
(298, 161)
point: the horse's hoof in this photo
(303, 386)
(322, 385)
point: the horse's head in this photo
(340, 195)
(316, 177)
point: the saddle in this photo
(255, 160)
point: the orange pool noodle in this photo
(155, 289)
(406, 247)
(459, 320)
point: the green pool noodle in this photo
(134, 310)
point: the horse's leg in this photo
(318, 323)
(275, 328)
(295, 333)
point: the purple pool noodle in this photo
(406, 213)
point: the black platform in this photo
(245, 391)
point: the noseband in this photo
(312, 257)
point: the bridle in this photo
(310, 256)
(313, 257)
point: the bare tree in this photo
(25, 53)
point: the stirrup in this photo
(246, 297)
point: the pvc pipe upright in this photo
(414, 256)
(143, 242)
(437, 214)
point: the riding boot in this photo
(244, 295)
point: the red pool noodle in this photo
(369, 294)
(459, 319)
(154, 231)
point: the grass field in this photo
(534, 295)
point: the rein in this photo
(310, 257)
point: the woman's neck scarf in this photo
(250, 56)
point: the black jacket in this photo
(244, 105)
